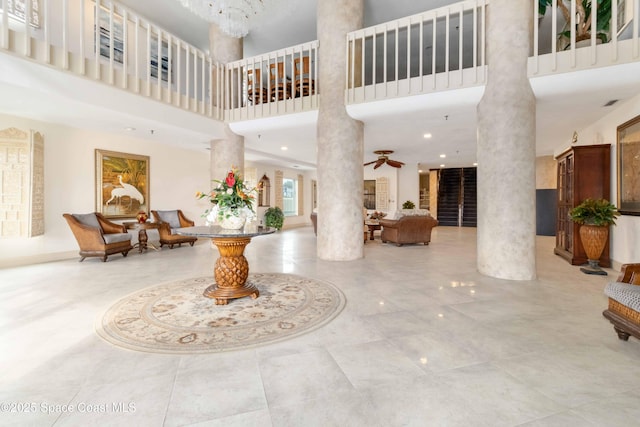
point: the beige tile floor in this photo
(424, 340)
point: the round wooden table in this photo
(231, 269)
(142, 228)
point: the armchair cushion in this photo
(624, 302)
(89, 219)
(625, 293)
(170, 217)
(116, 237)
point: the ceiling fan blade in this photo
(395, 163)
(379, 163)
(370, 163)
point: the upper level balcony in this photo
(398, 65)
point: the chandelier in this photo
(234, 17)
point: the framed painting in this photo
(122, 184)
(629, 167)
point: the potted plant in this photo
(274, 217)
(408, 205)
(594, 217)
(583, 18)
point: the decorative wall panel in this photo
(21, 183)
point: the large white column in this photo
(506, 148)
(228, 151)
(340, 138)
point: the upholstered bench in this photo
(624, 302)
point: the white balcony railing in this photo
(107, 42)
(279, 82)
(435, 50)
(559, 47)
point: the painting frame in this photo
(122, 184)
(628, 151)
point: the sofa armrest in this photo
(630, 273)
(389, 223)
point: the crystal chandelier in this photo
(234, 17)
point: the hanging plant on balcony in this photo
(584, 19)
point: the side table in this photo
(142, 228)
(373, 226)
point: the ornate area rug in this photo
(176, 318)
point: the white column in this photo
(340, 139)
(506, 148)
(228, 151)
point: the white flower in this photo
(229, 190)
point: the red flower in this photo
(231, 180)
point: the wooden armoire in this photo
(583, 172)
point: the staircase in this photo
(457, 188)
(469, 197)
(449, 196)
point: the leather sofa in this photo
(97, 236)
(408, 229)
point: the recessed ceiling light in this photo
(420, 170)
(442, 165)
(427, 135)
(284, 148)
(130, 129)
(475, 164)
(442, 156)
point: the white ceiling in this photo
(566, 102)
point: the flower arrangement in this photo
(230, 197)
(377, 215)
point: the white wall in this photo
(625, 237)
(409, 176)
(175, 176)
(303, 218)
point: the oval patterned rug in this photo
(176, 318)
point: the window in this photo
(370, 193)
(290, 197)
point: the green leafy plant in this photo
(594, 212)
(408, 205)
(583, 18)
(274, 217)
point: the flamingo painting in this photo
(127, 190)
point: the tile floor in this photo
(424, 340)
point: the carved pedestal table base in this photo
(231, 271)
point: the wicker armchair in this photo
(169, 221)
(624, 302)
(98, 236)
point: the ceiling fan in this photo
(383, 157)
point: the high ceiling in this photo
(565, 102)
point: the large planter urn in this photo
(594, 239)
